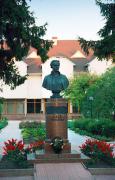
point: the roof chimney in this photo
(55, 39)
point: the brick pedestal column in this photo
(56, 123)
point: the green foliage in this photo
(71, 124)
(103, 129)
(78, 87)
(3, 123)
(30, 124)
(32, 133)
(19, 31)
(104, 48)
(103, 93)
(99, 137)
(1, 107)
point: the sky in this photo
(68, 19)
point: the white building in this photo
(99, 67)
(28, 100)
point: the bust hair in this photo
(53, 62)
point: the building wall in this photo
(31, 89)
(23, 101)
(99, 67)
(20, 91)
(34, 84)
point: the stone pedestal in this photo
(56, 123)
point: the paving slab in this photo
(62, 171)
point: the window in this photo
(33, 105)
(20, 108)
(10, 108)
(14, 106)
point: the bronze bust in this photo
(56, 82)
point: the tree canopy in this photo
(18, 32)
(103, 93)
(78, 87)
(105, 47)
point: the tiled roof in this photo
(67, 48)
(63, 48)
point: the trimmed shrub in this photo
(94, 127)
(29, 124)
(3, 123)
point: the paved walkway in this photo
(63, 171)
(76, 139)
(10, 131)
(67, 171)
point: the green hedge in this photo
(30, 124)
(3, 122)
(100, 128)
(32, 131)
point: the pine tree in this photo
(105, 47)
(18, 32)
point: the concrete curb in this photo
(16, 172)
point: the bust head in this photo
(55, 64)
(56, 82)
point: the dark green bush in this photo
(30, 124)
(3, 122)
(109, 129)
(81, 123)
(71, 125)
(86, 133)
(101, 128)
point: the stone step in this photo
(60, 158)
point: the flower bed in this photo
(14, 155)
(101, 154)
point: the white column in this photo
(25, 107)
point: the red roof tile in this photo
(67, 48)
(64, 48)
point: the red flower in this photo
(13, 145)
(97, 149)
(36, 145)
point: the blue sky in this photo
(68, 19)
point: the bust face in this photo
(55, 66)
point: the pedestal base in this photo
(74, 156)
